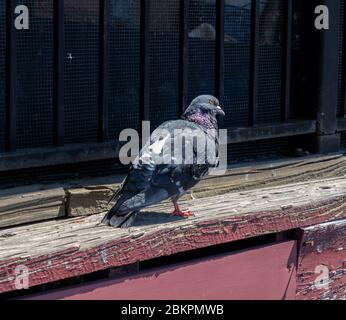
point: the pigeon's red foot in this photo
(185, 214)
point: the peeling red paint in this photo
(265, 272)
(74, 262)
(322, 256)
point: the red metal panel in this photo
(266, 272)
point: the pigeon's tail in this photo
(128, 205)
(115, 195)
(126, 221)
(120, 216)
(117, 220)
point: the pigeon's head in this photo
(206, 104)
(203, 109)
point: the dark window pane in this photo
(81, 70)
(237, 61)
(202, 47)
(2, 74)
(270, 61)
(34, 95)
(164, 61)
(124, 66)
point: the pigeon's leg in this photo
(177, 212)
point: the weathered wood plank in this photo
(85, 200)
(88, 201)
(322, 262)
(90, 196)
(31, 204)
(57, 250)
(42, 157)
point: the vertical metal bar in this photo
(327, 91)
(59, 43)
(11, 72)
(287, 60)
(220, 53)
(104, 71)
(343, 96)
(184, 55)
(145, 61)
(255, 18)
(220, 49)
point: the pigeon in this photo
(177, 156)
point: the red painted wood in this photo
(173, 239)
(322, 256)
(266, 272)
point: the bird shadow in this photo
(153, 218)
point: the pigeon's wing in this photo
(172, 162)
(132, 192)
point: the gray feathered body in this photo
(165, 170)
(177, 156)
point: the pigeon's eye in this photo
(212, 102)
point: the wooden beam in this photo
(44, 157)
(88, 201)
(287, 129)
(31, 204)
(93, 195)
(321, 263)
(35, 158)
(62, 249)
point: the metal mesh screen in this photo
(81, 72)
(164, 61)
(124, 66)
(202, 16)
(257, 150)
(34, 96)
(284, 147)
(341, 63)
(2, 74)
(270, 61)
(237, 61)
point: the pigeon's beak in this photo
(220, 110)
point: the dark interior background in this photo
(35, 73)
